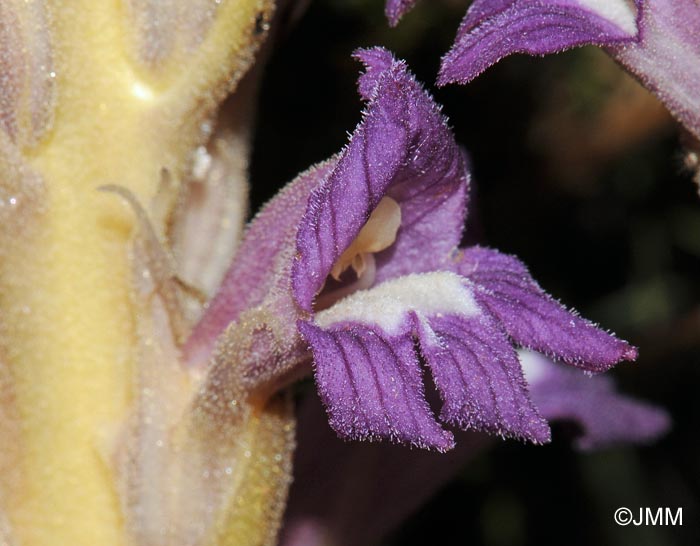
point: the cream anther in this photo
(377, 234)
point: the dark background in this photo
(579, 172)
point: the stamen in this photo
(328, 298)
(377, 234)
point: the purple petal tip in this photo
(377, 61)
(631, 354)
(535, 320)
(494, 29)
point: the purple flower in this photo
(360, 256)
(604, 416)
(657, 40)
(331, 494)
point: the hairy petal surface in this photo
(605, 416)
(532, 318)
(494, 29)
(656, 40)
(261, 266)
(402, 149)
(338, 484)
(369, 376)
(667, 56)
(372, 386)
(479, 377)
(367, 370)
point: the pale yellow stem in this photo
(68, 325)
